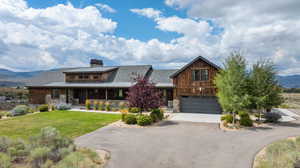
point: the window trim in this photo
(200, 74)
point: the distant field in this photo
(292, 99)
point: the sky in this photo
(39, 35)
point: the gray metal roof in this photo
(96, 85)
(91, 69)
(190, 63)
(161, 76)
(127, 73)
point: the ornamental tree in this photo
(232, 84)
(144, 95)
(265, 90)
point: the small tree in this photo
(232, 85)
(264, 88)
(144, 95)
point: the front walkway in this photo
(174, 144)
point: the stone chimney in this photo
(96, 63)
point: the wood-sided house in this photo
(189, 89)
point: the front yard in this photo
(70, 123)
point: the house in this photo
(189, 89)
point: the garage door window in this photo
(200, 75)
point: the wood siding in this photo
(92, 77)
(38, 95)
(185, 86)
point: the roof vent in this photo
(96, 63)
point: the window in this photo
(200, 75)
(55, 94)
(95, 77)
(120, 93)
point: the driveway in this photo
(196, 117)
(175, 144)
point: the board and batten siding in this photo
(186, 86)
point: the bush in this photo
(20, 110)
(2, 114)
(156, 115)
(130, 119)
(96, 105)
(38, 156)
(5, 161)
(143, 120)
(272, 117)
(88, 105)
(134, 110)
(227, 118)
(76, 160)
(63, 106)
(245, 119)
(44, 108)
(122, 105)
(107, 106)
(101, 106)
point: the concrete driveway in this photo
(196, 117)
(175, 144)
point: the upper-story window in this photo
(200, 75)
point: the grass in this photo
(69, 123)
(281, 154)
(292, 100)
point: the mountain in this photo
(292, 81)
(11, 79)
(4, 73)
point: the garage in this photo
(200, 104)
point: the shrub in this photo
(5, 161)
(88, 105)
(20, 110)
(124, 112)
(76, 160)
(38, 156)
(122, 105)
(96, 105)
(44, 108)
(107, 106)
(130, 119)
(156, 115)
(17, 150)
(63, 106)
(5, 143)
(134, 110)
(143, 120)
(272, 117)
(227, 118)
(101, 106)
(245, 119)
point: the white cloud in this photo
(63, 35)
(105, 7)
(264, 29)
(148, 12)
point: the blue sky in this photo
(36, 35)
(130, 25)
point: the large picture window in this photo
(200, 75)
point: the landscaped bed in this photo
(281, 154)
(70, 123)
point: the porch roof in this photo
(97, 85)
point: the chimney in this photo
(96, 63)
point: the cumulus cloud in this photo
(105, 7)
(62, 35)
(263, 29)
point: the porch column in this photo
(105, 93)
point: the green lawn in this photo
(69, 123)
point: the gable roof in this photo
(193, 61)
